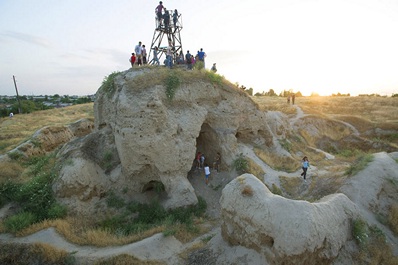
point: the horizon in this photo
(301, 45)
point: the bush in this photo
(56, 211)
(172, 83)
(8, 192)
(108, 83)
(241, 165)
(19, 221)
(151, 215)
(360, 231)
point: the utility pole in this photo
(16, 89)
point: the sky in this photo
(67, 47)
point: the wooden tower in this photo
(167, 33)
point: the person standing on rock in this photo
(132, 59)
(305, 165)
(207, 173)
(138, 53)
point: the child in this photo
(198, 160)
(132, 59)
(202, 160)
(207, 173)
(305, 166)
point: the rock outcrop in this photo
(285, 231)
(152, 139)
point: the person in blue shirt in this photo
(305, 165)
(202, 56)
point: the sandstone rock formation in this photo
(151, 140)
(285, 231)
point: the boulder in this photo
(285, 231)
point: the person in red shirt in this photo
(132, 59)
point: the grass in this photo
(373, 248)
(393, 218)
(125, 259)
(359, 164)
(255, 169)
(241, 164)
(22, 126)
(34, 196)
(162, 76)
(37, 253)
(282, 163)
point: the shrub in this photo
(108, 83)
(56, 211)
(360, 231)
(8, 192)
(19, 221)
(114, 201)
(172, 83)
(16, 155)
(241, 165)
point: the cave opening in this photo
(208, 143)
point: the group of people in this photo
(139, 56)
(164, 18)
(200, 163)
(293, 97)
(191, 60)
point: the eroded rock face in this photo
(155, 139)
(285, 231)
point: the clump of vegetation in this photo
(372, 242)
(247, 191)
(108, 83)
(152, 215)
(115, 201)
(172, 83)
(393, 218)
(287, 145)
(360, 163)
(281, 163)
(214, 78)
(360, 231)
(241, 164)
(276, 190)
(38, 253)
(34, 197)
(126, 259)
(255, 169)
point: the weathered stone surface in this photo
(155, 139)
(286, 231)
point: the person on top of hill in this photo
(132, 59)
(158, 11)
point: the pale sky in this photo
(67, 47)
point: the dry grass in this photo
(81, 232)
(247, 191)
(22, 126)
(393, 218)
(291, 186)
(185, 254)
(158, 76)
(255, 169)
(274, 104)
(283, 163)
(37, 253)
(125, 259)
(10, 171)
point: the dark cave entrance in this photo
(208, 144)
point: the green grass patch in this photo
(241, 164)
(150, 215)
(360, 163)
(172, 83)
(108, 83)
(19, 221)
